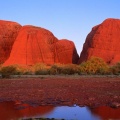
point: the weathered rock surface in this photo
(103, 41)
(32, 45)
(8, 33)
(66, 52)
(38, 45)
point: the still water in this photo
(16, 111)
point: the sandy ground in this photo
(65, 90)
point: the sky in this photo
(66, 19)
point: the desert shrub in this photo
(64, 69)
(70, 69)
(115, 69)
(94, 65)
(55, 69)
(1, 66)
(15, 70)
(27, 71)
(23, 70)
(39, 66)
(40, 69)
(7, 71)
(42, 72)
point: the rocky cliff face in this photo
(66, 52)
(103, 41)
(38, 45)
(8, 33)
(33, 45)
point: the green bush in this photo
(22, 70)
(55, 69)
(7, 71)
(42, 72)
(40, 69)
(115, 69)
(64, 69)
(94, 65)
(70, 69)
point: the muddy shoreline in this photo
(66, 90)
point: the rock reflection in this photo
(16, 110)
(11, 110)
(106, 113)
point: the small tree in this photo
(94, 65)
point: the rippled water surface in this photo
(15, 110)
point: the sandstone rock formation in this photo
(8, 33)
(38, 45)
(66, 52)
(103, 41)
(32, 45)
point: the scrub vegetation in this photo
(93, 66)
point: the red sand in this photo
(79, 90)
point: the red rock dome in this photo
(32, 45)
(38, 45)
(103, 41)
(66, 52)
(8, 33)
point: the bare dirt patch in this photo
(82, 91)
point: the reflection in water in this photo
(11, 110)
(107, 113)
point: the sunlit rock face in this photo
(103, 41)
(8, 33)
(66, 52)
(38, 45)
(33, 45)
